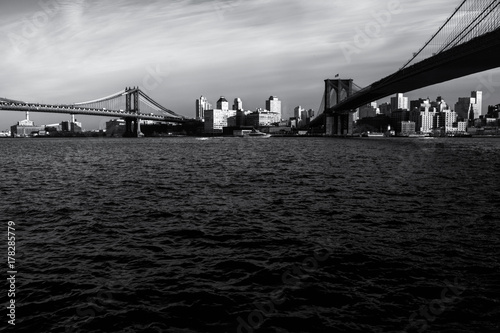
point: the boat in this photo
(252, 133)
(258, 134)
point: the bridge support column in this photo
(130, 128)
(134, 131)
(137, 128)
(339, 124)
(330, 125)
(139, 133)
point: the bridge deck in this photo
(477, 55)
(69, 109)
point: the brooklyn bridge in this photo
(467, 42)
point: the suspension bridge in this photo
(131, 104)
(468, 42)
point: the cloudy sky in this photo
(65, 51)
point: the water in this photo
(254, 235)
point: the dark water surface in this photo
(254, 235)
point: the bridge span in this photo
(130, 104)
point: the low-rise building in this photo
(25, 127)
(407, 128)
(262, 118)
(115, 127)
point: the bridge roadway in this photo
(479, 54)
(71, 109)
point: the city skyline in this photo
(65, 52)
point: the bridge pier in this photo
(135, 130)
(339, 124)
(132, 127)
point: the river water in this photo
(254, 235)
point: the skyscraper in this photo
(201, 106)
(478, 107)
(465, 104)
(238, 104)
(297, 112)
(399, 102)
(273, 104)
(223, 104)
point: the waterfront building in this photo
(239, 119)
(273, 104)
(494, 111)
(461, 126)
(25, 127)
(426, 121)
(262, 118)
(399, 102)
(407, 128)
(69, 126)
(202, 104)
(397, 117)
(115, 127)
(217, 119)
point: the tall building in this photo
(465, 105)
(217, 119)
(415, 104)
(223, 104)
(201, 106)
(398, 117)
(238, 104)
(368, 110)
(273, 104)
(399, 102)
(385, 108)
(440, 104)
(478, 109)
(424, 116)
(297, 112)
(446, 119)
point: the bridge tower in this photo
(337, 122)
(135, 130)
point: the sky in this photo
(66, 51)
